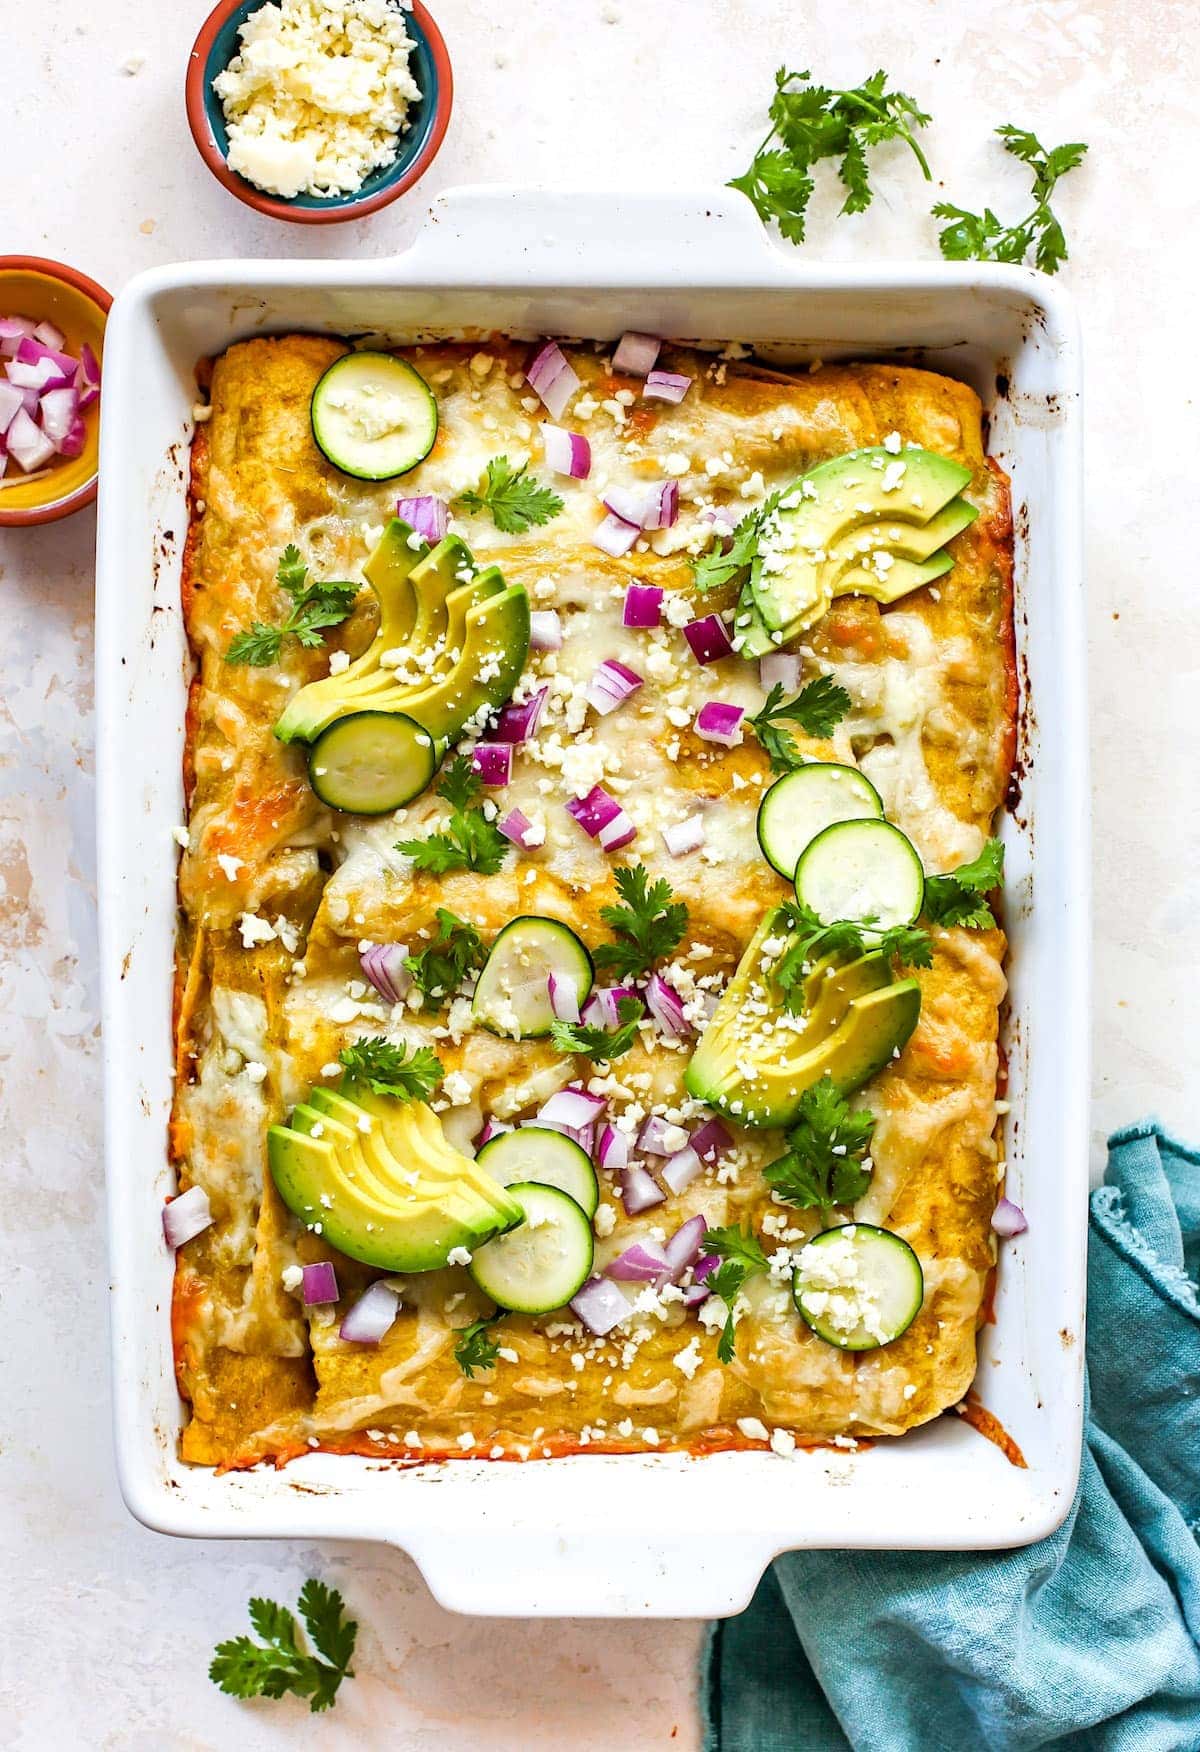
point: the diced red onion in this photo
(12, 400)
(614, 536)
(27, 443)
(694, 1294)
(518, 723)
(428, 515)
(682, 1169)
(684, 1246)
(595, 811)
(718, 722)
(666, 1006)
(635, 353)
(493, 1129)
(684, 836)
(573, 1107)
(38, 375)
(654, 1136)
(76, 438)
(58, 411)
(383, 965)
(1009, 1219)
(643, 606)
(642, 1263)
(627, 503)
(611, 686)
(31, 352)
(186, 1216)
(89, 366)
(13, 330)
(601, 1305)
(612, 1152)
(654, 507)
(639, 1190)
(710, 1140)
(545, 630)
(564, 997)
(705, 1266)
(567, 453)
(372, 1316)
(493, 762)
(780, 669)
(708, 639)
(516, 827)
(668, 386)
(49, 336)
(550, 376)
(617, 833)
(320, 1284)
(600, 1011)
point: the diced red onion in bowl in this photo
(611, 686)
(12, 400)
(639, 1190)
(641, 1263)
(518, 723)
(545, 630)
(612, 1151)
(186, 1216)
(27, 444)
(635, 353)
(614, 536)
(566, 453)
(551, 377)
(564, 997)
(601, 1305)
(684, 836)
(383, 965)
(682, 1169)
(14, 330)
(319, 1284)
(50, 336)
(668, 386)
(516, 827)
(573, 1107)
(59, 408)
(708, 639)
(1009, 1219)
(684, 1246)
(710, 1140)
(643, 606)
(780, 669)
(493, 762)
(428, 515)
(666, 1006)
(718, 722)
(372, 1316)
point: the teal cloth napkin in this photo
(1088, 1640)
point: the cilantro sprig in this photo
(716, 568)
(469, 841)
(601, 1043)
(648, 926)
(314, 607)
(811, 123)
(817, 710)
(475, 1348)
(811, 939)
(982, 237)
(457, 950)
(743, 1258)
(512, 496)
(277, 1664)
(959, 898)
(389, 1069)
(824, 1162)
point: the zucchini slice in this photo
(867, 871)
(538, 1266)
(536, 1153)
(371, 762)
(513, 993)
(373, 416)
(803, 804)
(858, 1286)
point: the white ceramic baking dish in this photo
(598, 1535)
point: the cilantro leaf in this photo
(717, 567)
(983, 237)
(257, 647)
(601, 1043)
(276, 1665)
(649, 925)
(456, 951)
(907, 945)
(388, 1069)
(743, 1257)
(314, 607)
(513, 497)
(291, 571)
(811, 123)
(823, 1165)
(474, 1348)
(469, 841)
(958, 898)
(816, 709)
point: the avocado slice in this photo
(904, 541)
(794, 588)
(446, 566)
(387, 571)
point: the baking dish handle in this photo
(571, 238)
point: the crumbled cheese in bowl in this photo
(318, 95)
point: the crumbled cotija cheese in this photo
(318, 94)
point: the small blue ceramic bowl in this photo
(217, 45)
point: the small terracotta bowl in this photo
(52, 292)
(217, 45)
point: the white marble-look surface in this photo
(105, 1629)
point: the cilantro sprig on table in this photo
(457, 950)
(960, 897)
(314, 607)
(823, 1165)
(604, 1044)
(813, 122)
(389, 1069)
(907, 945)
(469, 841)
(648, 925)
(817, 710)
(513, 497)
(475, 1348)
(982, 237)
(277, 1664)
(742, 1258)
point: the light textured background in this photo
(105, 1629)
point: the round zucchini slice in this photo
(373, 416)
(371, 762)
(803, 804)
(534, 1152)
(858, 1286)
(513, 993)
(538, 1266)
(867, 871)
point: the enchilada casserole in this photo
(587, 987)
